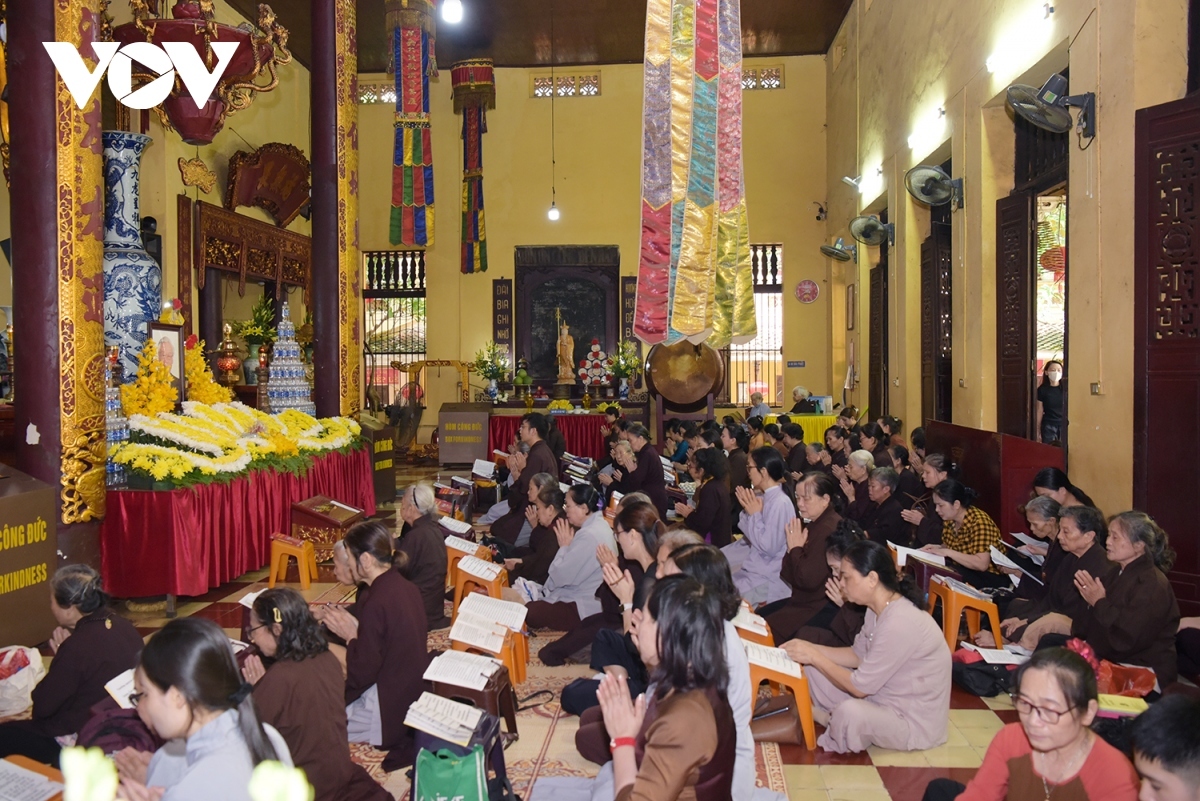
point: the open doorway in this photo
(1050, 316)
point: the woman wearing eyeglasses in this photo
(1052, 753)
(302, 694)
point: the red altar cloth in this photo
(188, 541)
(581, 431)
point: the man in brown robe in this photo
(532, 432)
(424, 543)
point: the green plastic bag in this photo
(446, 776)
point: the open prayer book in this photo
(454, 525)
(961, 587)
(747, 620)
(903, 554)
(1008, 655)
(509, 614)
(443, 718)
(1001, 560)
(1025, 539)
(459, 544)
(478, 568)
(482, 622)
(22, 784)
(483, 469)
(461, 669)
(775, 659)
(249, 598)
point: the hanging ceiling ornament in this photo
(194, 23)
(474, 93)
(694, 273)
(413, 27)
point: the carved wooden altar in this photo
(232, 243)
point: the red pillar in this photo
(326, 333)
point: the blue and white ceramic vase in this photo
(132, 278)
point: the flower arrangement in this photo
(153, 390)
(604, 407)
(625, 362)
(260, 327)
(201, 386)
(492, 361)
(560, 406)
(594, 369)
(221, 441)
(171, 314)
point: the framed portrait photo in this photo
(169, 344)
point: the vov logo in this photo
(179, 57)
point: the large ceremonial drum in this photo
(683, 373)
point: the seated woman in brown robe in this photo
(424, 543)
(645, 475)
(840, 630)
(681, 742)
(1082, 535)
(385, 646)
(927, 526)
(1131, 614)
(302, 694)
(1041, 515)
(804, 568)
(853, 480)
(885, 523)
(910, 487)
(710, 517)
(91, 645)
(547, 509)
(871, 437)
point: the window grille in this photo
(565, 83)
(762, 77)
(757, 365)
(394, 318)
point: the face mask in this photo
(1054, 375)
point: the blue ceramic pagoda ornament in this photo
(132, 278)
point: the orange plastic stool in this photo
(453, 556)
(954, 604)
(306, 560)
(464, 582)
(798, 687)
(510, 654)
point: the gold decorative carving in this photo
(81, 278)
(234, 243)
(349, 267)
(275, 178)
(196, 173)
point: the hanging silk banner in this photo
(413, 32)
(695, 240)
(474, 88)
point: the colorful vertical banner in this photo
(502, 315)
(474, 87)
(413, 28)
(694, 254)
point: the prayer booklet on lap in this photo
(443, 718)
(461, 669)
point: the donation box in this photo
(382, 439)
(28, 558)
(463, 432)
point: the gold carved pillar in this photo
(349, 267)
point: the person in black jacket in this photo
(424, 544)
(92, 645)
(885, 523)
(710, 518)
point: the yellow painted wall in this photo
(891, 66)
(598, 190)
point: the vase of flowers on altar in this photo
(492, 363)
(625, 364)
(257, 331)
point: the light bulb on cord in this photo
(553, 214)
(452, 11)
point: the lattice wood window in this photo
(767, 76)
(369, 93)
(1176, 297)
(578, 83)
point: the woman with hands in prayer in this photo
(756, 558)
(302, 694)
(853, 480)
(678, 743)
(892, 687)
(848, 617)
(544, 513)
(804, 567)
(935, 468)
(710, 517)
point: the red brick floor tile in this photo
(908, 784)
(961, 699)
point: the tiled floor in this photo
(877, 775)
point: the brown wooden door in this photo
(1166, 362)
(877, 383)
(936, 328)
(1014, 315)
